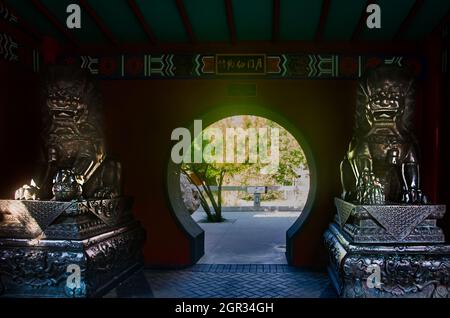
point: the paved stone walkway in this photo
(246, 237)
(227, 281)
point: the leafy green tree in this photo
(291, 160)
(206, 175)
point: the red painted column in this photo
(429, 137)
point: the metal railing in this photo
(257, 191)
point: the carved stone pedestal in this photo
(373, 254)
(67, 249)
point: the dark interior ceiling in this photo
(144, 22)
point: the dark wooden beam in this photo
(230, 20)
(362, 22)
(23, 25)
(323, 20)
(408, 19)
(27, 28)
(276, 21)
(98, 21)
(141, 19)
(185, 20)
(444, 21)
(53, 20)
(17, 33)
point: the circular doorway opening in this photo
(251, 186)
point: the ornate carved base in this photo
(69, 268)
(397, 223)
(388, 271)
(74, 220)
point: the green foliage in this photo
(204, 175)
(292, 158)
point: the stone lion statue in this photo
(76, 164)
(382, 164)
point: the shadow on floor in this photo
(227, 281)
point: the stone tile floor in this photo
(227, 281)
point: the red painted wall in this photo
(141, 115)
(444, 183)
(19, 126)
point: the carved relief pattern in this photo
(36, 268)
(109, 210)
(390, 223)
(401, 220)
(28, 219)
(344, 211)
(44, 268)
(401, 276)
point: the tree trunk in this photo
(219, 195)
(203, 200)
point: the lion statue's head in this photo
(71, 104)
(385, 99)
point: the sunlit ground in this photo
(246, 237)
